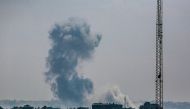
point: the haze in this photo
(125, 56)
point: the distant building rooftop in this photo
(148, 105)
(108, 106)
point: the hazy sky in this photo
(125, 57)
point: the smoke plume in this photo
(72, 42)
(114, 95)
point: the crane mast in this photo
(159, 54)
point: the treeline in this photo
(29, 107)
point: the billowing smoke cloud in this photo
(72, 42)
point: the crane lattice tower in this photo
(159, 54)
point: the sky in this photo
(124, 58)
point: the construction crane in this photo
(159, 55)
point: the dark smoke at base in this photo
(72, 42)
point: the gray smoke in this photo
(114, 95)
(72, 42)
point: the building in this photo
(82, 108)
(108, 106)
(148, 105)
